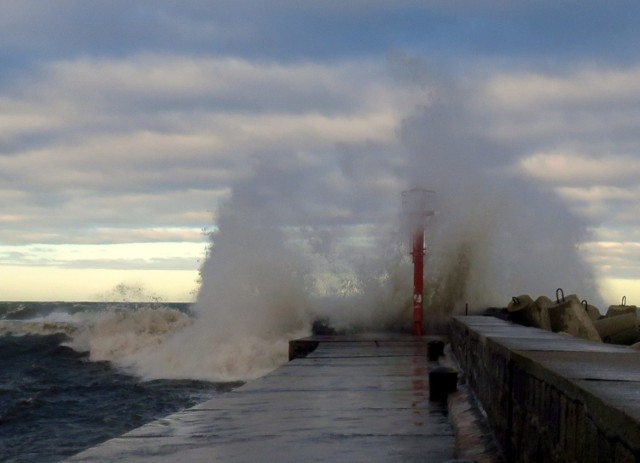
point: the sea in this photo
(57, 398)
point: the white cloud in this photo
(566, 167)
(169, 255)
(614, 259)
(520, 92)
(142, 149)
(594, 106)
(164, 84)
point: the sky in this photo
(125, 124)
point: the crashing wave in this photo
(36, 327)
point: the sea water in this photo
(58, 397)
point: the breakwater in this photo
(550, 397)
(342, 398)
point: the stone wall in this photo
(550, 397)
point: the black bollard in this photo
(435, 350)
(442, 382)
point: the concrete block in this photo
(525, 311)
(580, 435)
(635, 346)
(618, 329)
(626, 337)
(593, 312)
(591, 441)
(570, 316)
(614, 310)
(587, 410)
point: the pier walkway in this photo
(352, 399)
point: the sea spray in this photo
(505, 237)
(119, 335)
(299, 239)
(496, 233)
(253, 299)
(371, 292)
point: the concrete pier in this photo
(355, 399)
(551, 397)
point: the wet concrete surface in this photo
(352, 399)
(593, 366)
(522, 338)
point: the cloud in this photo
(153, 142)
(580, 89)
(604, 204)
(145, 82)
(113, 131)
(614, 259)
(574, 168)
(127, 255)
(175, 95)
(592, 107)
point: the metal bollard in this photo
(442, 382)
(435, 350)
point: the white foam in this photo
(117, 335)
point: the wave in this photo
(160, 343)
(116, 335)
(34, 327)
(169, 344)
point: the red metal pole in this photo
(418, 270)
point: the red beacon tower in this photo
(416, 204)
